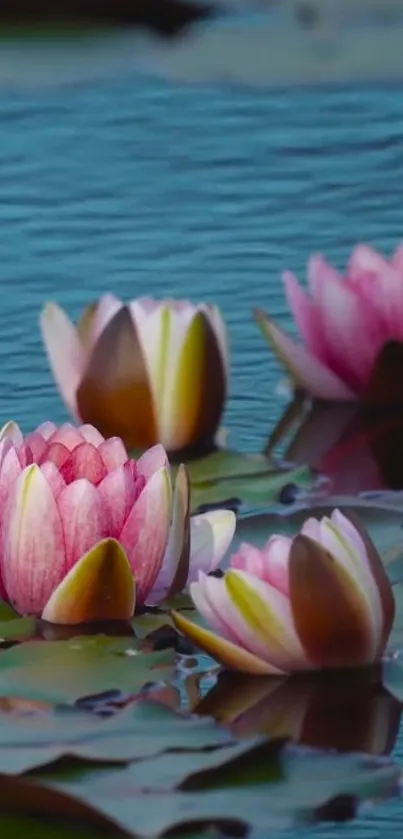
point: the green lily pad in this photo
(13, 626)
(7, 613)
(144, 625)
(140, 730)
(256, 490)
(21, 827)
(14, 630)
(225, 464)
(64, 671)
(214, 788)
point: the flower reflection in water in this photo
(358, 450)
(343, 711)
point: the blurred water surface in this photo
(144, 186)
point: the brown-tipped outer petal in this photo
(330, 614)
(380, 577)
(228, 654)
(114, 394)
(99, 587)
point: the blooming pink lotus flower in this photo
(345, 323)
(87, 534)
(320, 600)
(148, 372)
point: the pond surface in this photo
(145, 186)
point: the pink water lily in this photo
(320, 600)
(88, 534)
(346, 322)
(150, 371)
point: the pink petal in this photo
(25, 456)
(152, 460)
(46, 429)
(380, 283)
(80, 511)
(91, 435)
(306, 316)
(68, 435)
(11, 431)
(55, 453)
(145, 534)
(269, 564)
(53, 477)
(319, 273)
(33, 557)
(113, 453)
(37, 444)
(276, 557)
(10, 470)
(366, 263)
(307, 371)
(84, 462)
(119, 490)
(350, 330)
(248, 558)
(65, 352)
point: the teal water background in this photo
(206, 192)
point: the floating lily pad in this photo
(144, 625)
(216, 788)
(13, 626)
(261, 489)
(63, 671)
(141, 730)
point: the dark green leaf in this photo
(132, 799)
(13, 630)
(142, 729)
(7, 613)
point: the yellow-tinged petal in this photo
(196, 400)
(268, 614)
(228, 654)
(85, 325)
(99, 587)
(330, 613)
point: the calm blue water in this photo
(202, 192)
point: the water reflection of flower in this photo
(347, 712)
(358, 450)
